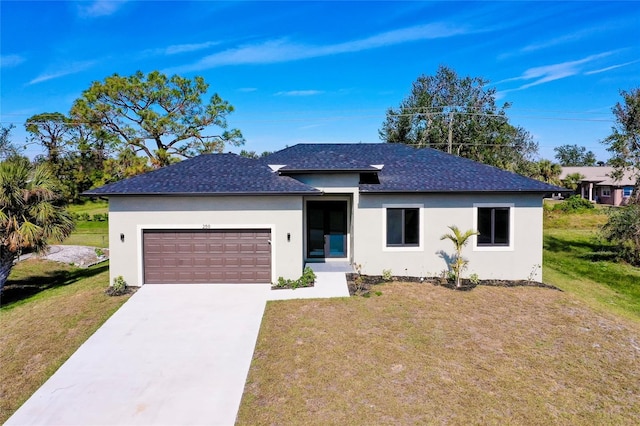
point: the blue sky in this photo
(327, 71)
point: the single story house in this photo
(598, 186)
(223, 218)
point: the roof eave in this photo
(196, 194)
(326, 171)
(466, 191)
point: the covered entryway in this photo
(326, 229)
(206, 256)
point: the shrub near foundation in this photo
(307, 279)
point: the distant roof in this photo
(399, 168)
(600, 175)
(217, 174)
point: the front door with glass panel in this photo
(326, 229)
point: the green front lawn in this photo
(39, 332)
(422, 354)
(578, 261)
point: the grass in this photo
(90, 206)
(421, 354)
(417, 354)
(41, 331)
(578, 261)
(89, 233)
(94, 234)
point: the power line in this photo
(378, 116)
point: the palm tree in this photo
(572, 181)
(548, 172)
(459, 240)
(30, 216)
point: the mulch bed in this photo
(364, 285)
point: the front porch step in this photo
(330, 267)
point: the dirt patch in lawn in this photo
(423, 354)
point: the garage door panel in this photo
(207, 256)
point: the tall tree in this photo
(459, 115)
(547, 171)
(623, 225)
(126, 165)
(574, 156)
(624, 141)
(74, 151)
(7, 148)
(160, 116)
(253, 154)
(51, 130)
(30, 215)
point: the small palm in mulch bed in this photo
(362, 285)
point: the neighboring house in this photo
(222, 218)
(598, 186)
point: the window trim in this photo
(511, 246)
(606, 188)
(624, 191)
(420, 246)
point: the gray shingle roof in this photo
(208, 174)
(335, 157)
(405, 169)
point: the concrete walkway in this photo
(330, 282)
(171, 355)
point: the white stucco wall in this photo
(367, 234)
(522, 260)
(131, 215)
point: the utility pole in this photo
(449, 146)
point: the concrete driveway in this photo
(171, 355)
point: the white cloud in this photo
(571, 37)
(247, 89)
(73, 68)
(100, 8)
(548, 73)
(612, 67)
(283, 50)
(300, 93)
(7, 61)
(183, 48)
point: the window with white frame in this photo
(494, 226)
(605, 191)
(403, 226)
(627, 191)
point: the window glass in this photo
(484, 226)
(403, 227)
(501, 226)
(394, 227)
(493, 226)
(411, 227)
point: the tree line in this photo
(126, 125)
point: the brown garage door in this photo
(207, 256)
